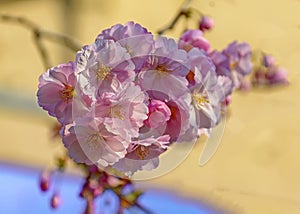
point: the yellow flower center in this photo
(233, 65)
(115, 112)
(102, 71)
(129, 49)
(142, 152)
(161, 68)
(93, 141)
(199, 100)
(67, 93)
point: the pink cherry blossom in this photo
(239, 55)
(134, 38)
(222, 63)
(102, 66)
(98, 145)
(277, 75)
(159, 114)
(193, 38)
(165, 69)
(179, 122)
(56, 91)
(70, 141)
(143, 154)
(198, 58)
(206, 98)
(123, 111)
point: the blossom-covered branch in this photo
(39, 34)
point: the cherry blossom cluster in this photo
(128, 97)
(268, 73)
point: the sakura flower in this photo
(159, 114)
(174, 116)
(207, 90)
(119, 32)
(234, 62)
(89, 142)
(198, 58)
(165, 69)
(206, 23)
(134, 38)
(179, 126)
(70, 141)
(193, 38)
(239, 55)
(221, 62)
(143, 154)
(56, 91)
(277, 75)
(206, 98)
(102, 66)
(123, 111)
(226, 85)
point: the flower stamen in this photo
(142, 152)
(115, 112)
(102, 71)
(162, 68)
(200, 100)
(93, 141)
(67, 93)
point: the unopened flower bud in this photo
(228, 100)
(268, 61)
(277, 75)
(55, 201)
(159, 114)
(45, 181)
(193, 39)
(206, 23)
(113, 181)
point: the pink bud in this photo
(269, 61)
(193, 38)
(113, 181)
(228, 100)
(206, 23)
(55, 201)
(159, 114)
(277, 75)
(45, 181)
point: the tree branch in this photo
(39, 34)
(183, 11)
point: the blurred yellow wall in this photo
(256, 169)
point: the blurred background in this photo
(256, 168)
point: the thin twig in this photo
(136, 204)
(183, 11)
(42, 50)
(39, 34)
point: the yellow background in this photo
(256, 168)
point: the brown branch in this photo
(39, 34)
(184, 11)
(135, 204)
